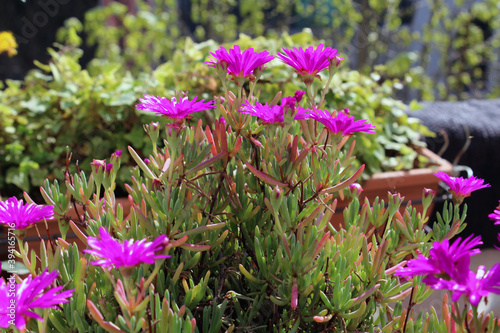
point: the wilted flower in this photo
(29, 295)
(298, 95)
(98, 165)
(172, 108)
(239, 64)
(341, 122)
(128, 254)
(308, 62)
(18, 215)
(461, 188)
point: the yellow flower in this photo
(8, 43)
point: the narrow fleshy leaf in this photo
(265, 177)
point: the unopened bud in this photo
(355, 189)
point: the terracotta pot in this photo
(409, 184)
(51, 231)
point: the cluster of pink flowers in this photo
(335, 122)
(307, 63)
(17, 301)
(275, 114)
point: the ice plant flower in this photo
(271, 114)
(461, 188)
(495, 216)
(340, 122)
(444, 258)
(240, 64)
(308, 62)
(127, 254)
(30, 294)
(18, 215)
(476, 285)
(173, 108)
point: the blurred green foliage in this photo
(61, 105)
(448, 57)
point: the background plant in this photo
(92, 110)
(437, 49)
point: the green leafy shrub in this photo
(246, 205)
(90, 110)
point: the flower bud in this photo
(355, 189)
(98, 165)
(334, 64)
(395, 201)
(153, 131)
(98, 168)
(115, 159)
(428, 196)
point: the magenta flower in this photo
(268, 113)
(271, 114)
(448, 268)
(461, 188)
(340, 122)
(240, 64)
(29, 295)
(478, 285)
(473, 285)
(128, 254)
(172, 108)
(444, 258)
(495, 216)
(308, 62)
(18, 215)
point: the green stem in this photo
(310, 93)
(477, 324)
(325, 91)
(158, 265)
(24, 256)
